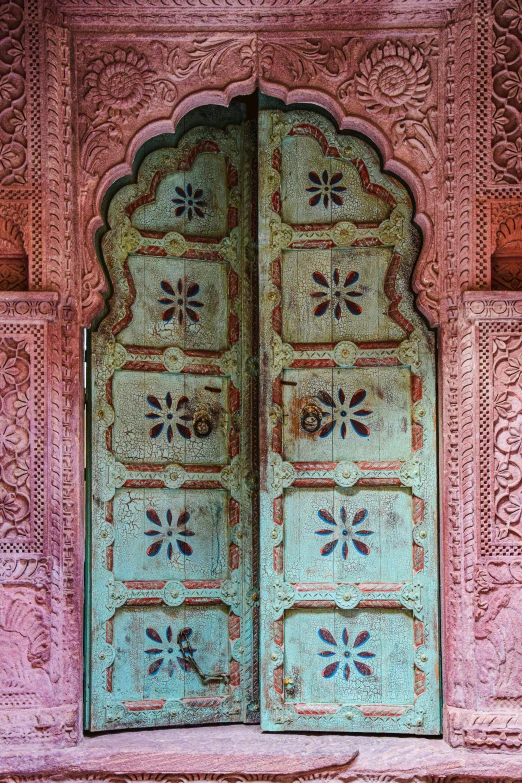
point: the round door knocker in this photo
(202, 424)
(311, 418)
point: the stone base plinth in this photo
(229, 753)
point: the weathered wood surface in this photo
(171, 411)
(349, 576)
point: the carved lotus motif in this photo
(121, 81)
(18, 473)
(13, 438)
(512, 156)
(12, 512)
(9, 370)
(512, 15)
(393, 78)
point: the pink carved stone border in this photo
(67, 135)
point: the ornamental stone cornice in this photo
(361, 9)
(28, 305)
(252, 15)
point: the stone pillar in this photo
(41, 398)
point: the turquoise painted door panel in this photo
(336, 191)
(331, 290)
(172, 598)
(170, 417)
(197, 315)
(159, 672)
(171, 534)
(356, 413)
(347, 535)
(361, 657)
(349, 622)
(194, 200)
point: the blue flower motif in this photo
(325, 188)
(166, 650)
(166, 535)
(343, 411)
(158, 413)
(190, 200)
(344, 531)
(332, 668)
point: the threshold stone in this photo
(246, 750)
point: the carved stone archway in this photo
(395, 89)
(407, 143)
(98, 79)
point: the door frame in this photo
(419, 167)
(84, 132)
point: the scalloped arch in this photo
(425, 279)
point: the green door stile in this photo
(171, 635)
(348, 485)
(262, 483)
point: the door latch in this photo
(186, 651)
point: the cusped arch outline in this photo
(425, 278)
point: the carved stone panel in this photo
(27, 612)
(497, 577)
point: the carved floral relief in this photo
(501, 452)
(121, 87)
(498, 587)
(13, 142)
(498, 575)
(507, 404)
(395, 80)
(15, 456)
(507, 92)
(119, 84)
(24, 646)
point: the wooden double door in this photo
(263, 492)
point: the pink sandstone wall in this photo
(437, 85)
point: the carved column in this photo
(481, 393)
(41, 472)
(33, 594)
(492, 364)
